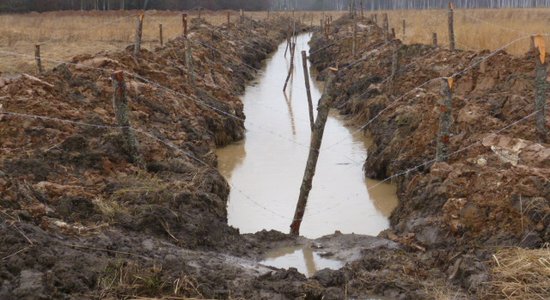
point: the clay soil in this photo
(82, 220)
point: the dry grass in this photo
(64, 35)
(475, 29)
(520, 274)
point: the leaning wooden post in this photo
(38, 59)
(450, 17)
(445, 120)
(541, 85)
(291, 69)
(122, 114)
(160, 35)
(139, 32)
(184, 23)
(308, 89)
(434, 39)
(316, 139)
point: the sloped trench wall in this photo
(79, 217)
(492, 192)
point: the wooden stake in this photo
(291, 69)
(450, 20)
(241, 16)
(120, 105)
(445, 121)
(354, 42)
(38, 59)
(393, 33)
(160, 35)
(316, 140)
(385, 26)
(404, 29)
(228, 20)
(139, 32)
(184, 23)
(541, 86)
(308, 89)
(189, 61)
(434, 39)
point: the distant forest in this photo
(49, 5)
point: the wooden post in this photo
(139, 32)
(393, 33)
(445, 120)
(160, 35)
(241, 16)
(291, 69)
(316, 140)
(38, 59)
(404, 28)
(200, 11)
(362, 11)
(268, 14)
(189, 61)
(434, 39)
(394, 63)
(184, 23)
(450, 16)
(308, 89)
(354, 42)
(385, 26)
(120, 105)
(228, 20)
(541, 86)
(375, 18)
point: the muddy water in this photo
(266, 169)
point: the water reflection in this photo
(303, 258)
(267, 168)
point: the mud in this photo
(452, 216)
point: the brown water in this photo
(265, 170)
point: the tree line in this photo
(50, 5)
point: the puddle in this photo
(303, 258)
(266, 169)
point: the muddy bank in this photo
(493, 191)
(81, 219)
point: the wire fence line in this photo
(194, 98)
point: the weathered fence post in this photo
(228, 20)
(434, 39)
(541, 85)
(184, 23)
(241, 16)
(394, 63)
(139, 32)
(354, 42)
(291, 69)
(308, 89)
(393, 33)
(38, 59)
(445, 120)
(316, 140)
(120, 105)
(362, 10)
(451, 21)
(404, 28)
(385, 26)
(160, 35)
(189, 61)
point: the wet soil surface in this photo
(80, 220)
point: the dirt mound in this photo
(80, 217)
(494, 188)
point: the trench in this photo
(265, 169)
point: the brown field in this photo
(474, 29)
(63, 35)
(66, 34)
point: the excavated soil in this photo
(81, 220)
(493, 191)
